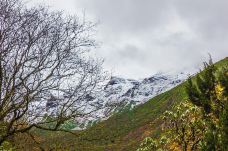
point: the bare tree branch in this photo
(42, 55)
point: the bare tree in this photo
(43, 55)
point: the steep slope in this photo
(124, 130)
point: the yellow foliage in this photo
(174, 147)
(219, 90)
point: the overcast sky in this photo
(142, 37)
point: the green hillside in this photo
(123, 131)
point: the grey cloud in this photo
(142, 37)
(128, 15)
(208, 17)
(158, 48)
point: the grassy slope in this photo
(125, 130)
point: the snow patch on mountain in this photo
(120, 93)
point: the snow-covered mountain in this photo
(120, 93)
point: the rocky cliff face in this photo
(120, 93)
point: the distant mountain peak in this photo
(120, 93)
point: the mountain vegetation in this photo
(149, 125)
(200, 123)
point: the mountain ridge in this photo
(120, 93)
